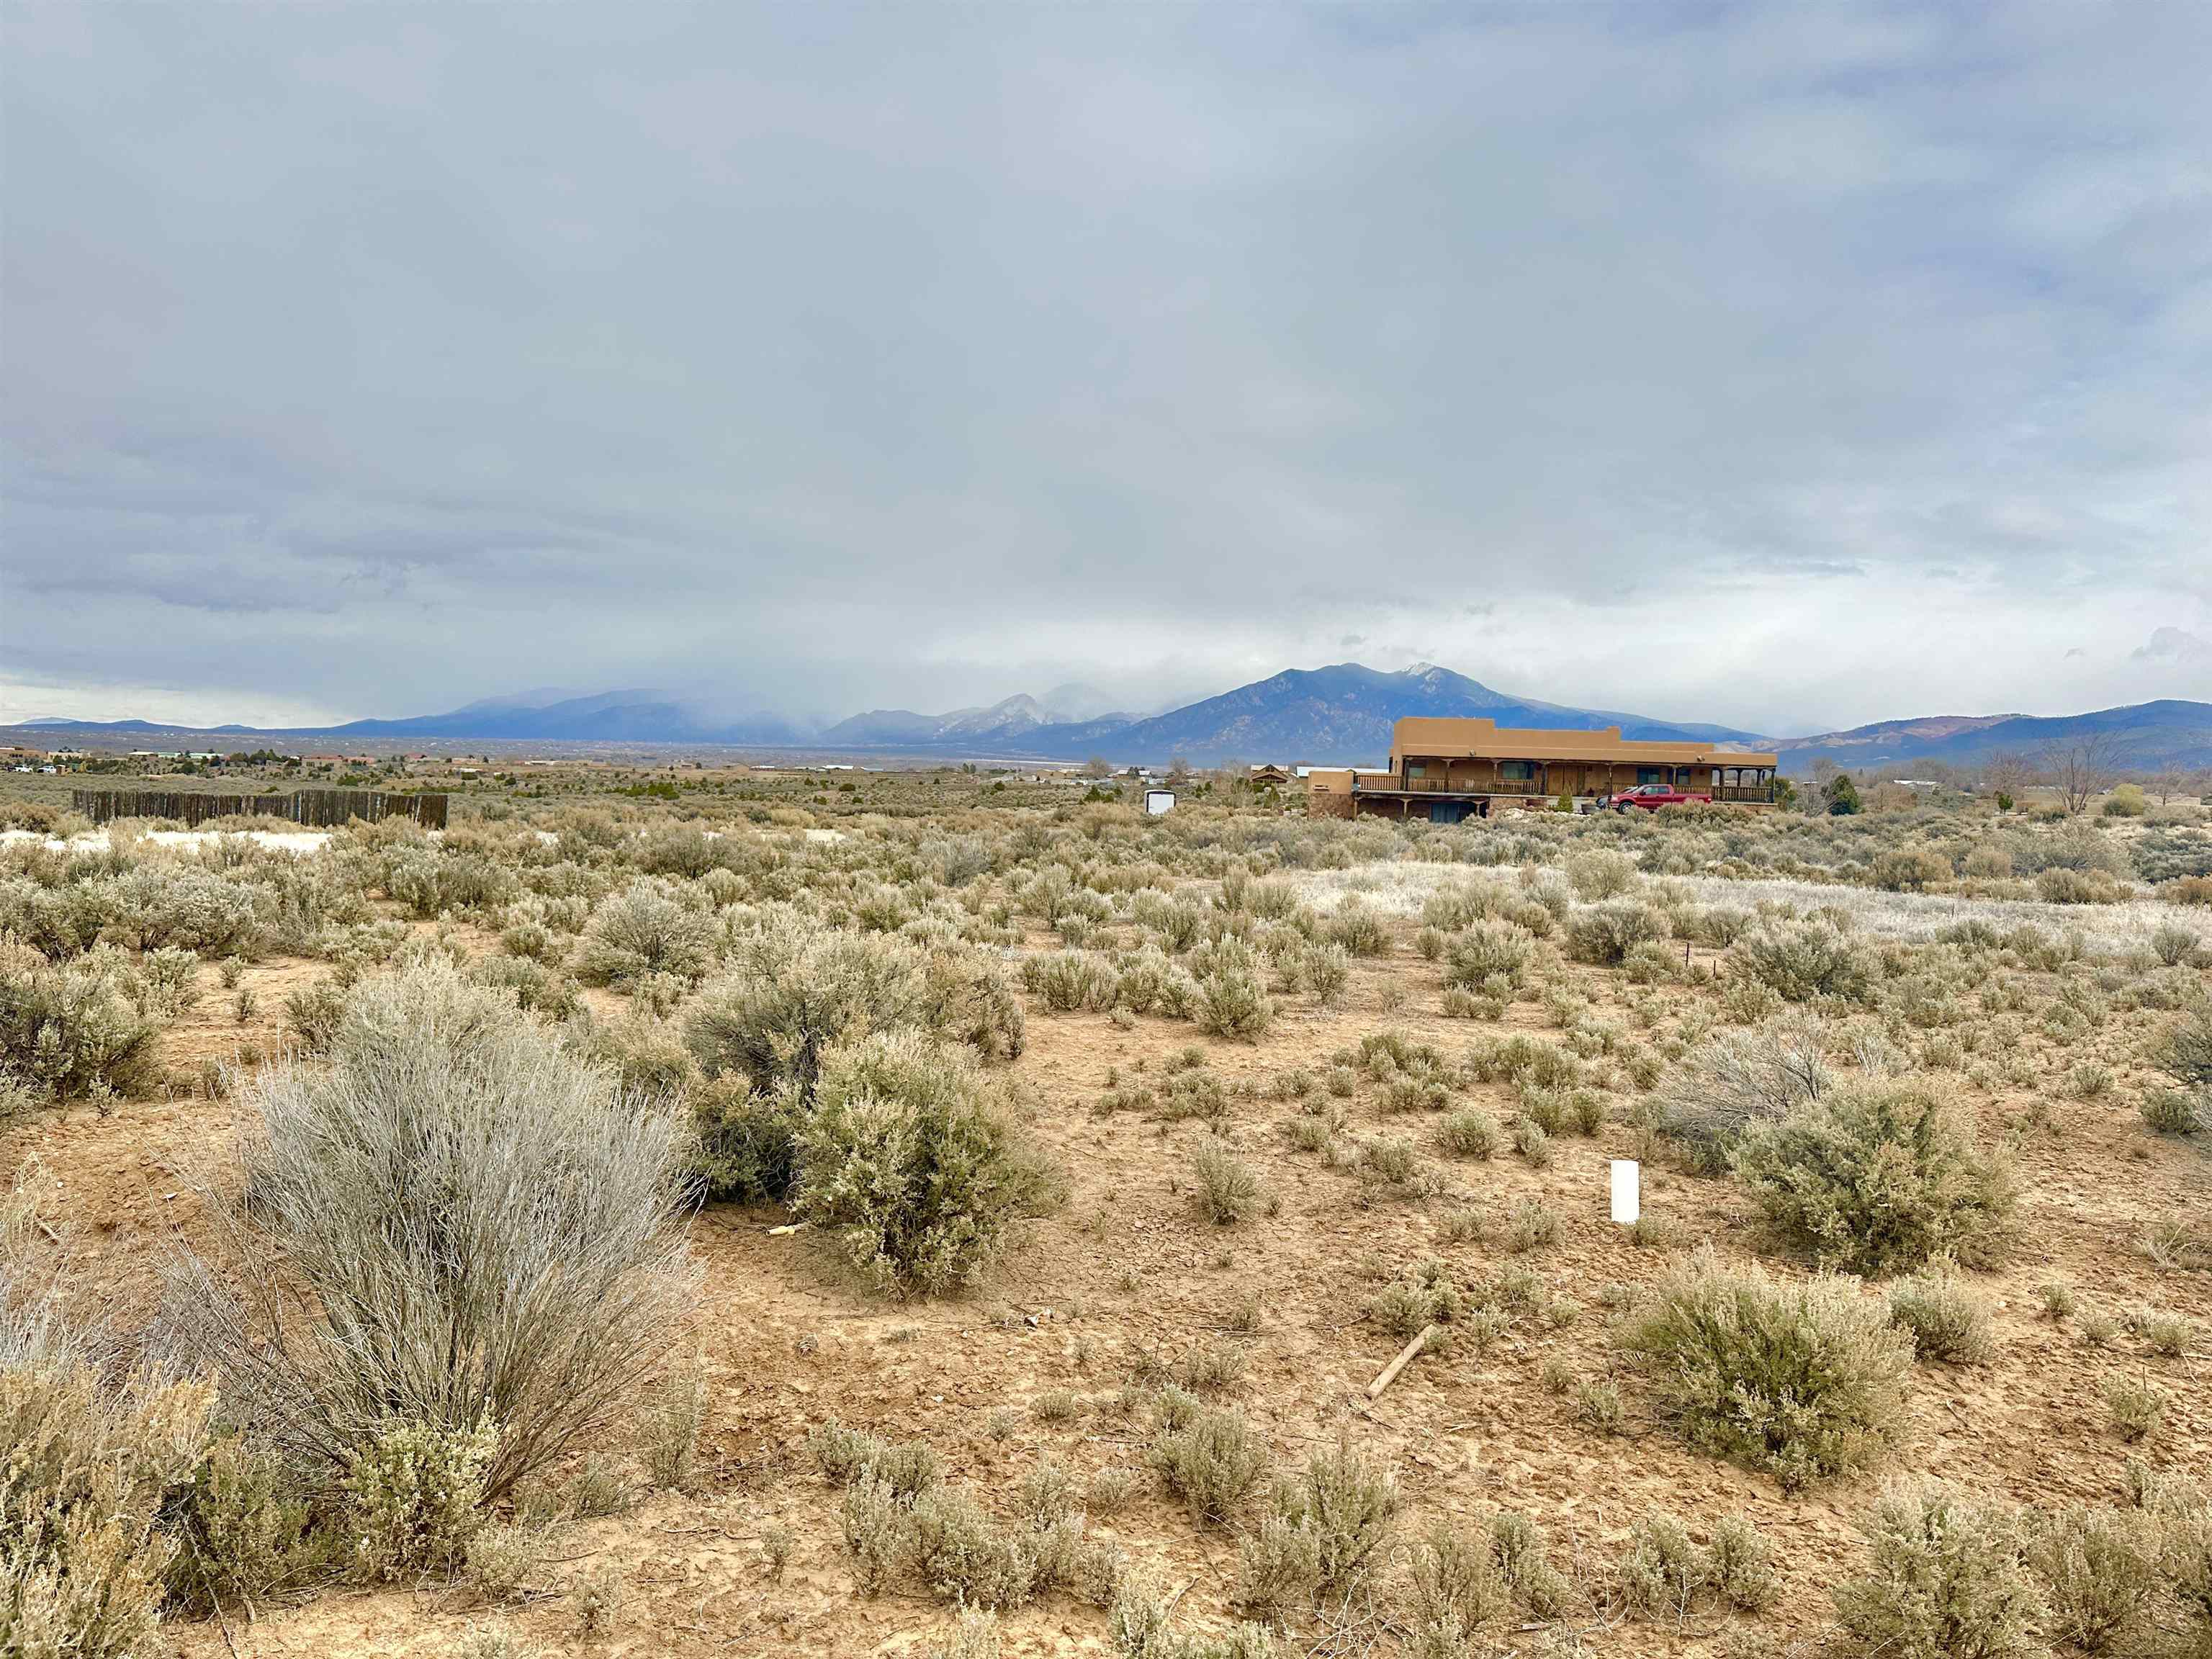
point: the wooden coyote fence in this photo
(321, 807)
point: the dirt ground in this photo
(788, 1339)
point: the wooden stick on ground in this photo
(1405, 1354)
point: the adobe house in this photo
(1447, 768)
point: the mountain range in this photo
(1341, 713)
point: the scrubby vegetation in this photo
(600, 1159)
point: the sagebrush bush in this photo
(643, 930)
(1804, 1379)
(456, 1222)
(1227, 1189)
(1070, 980)
(1947, 1577)
(86, 1475)
(1211, 1461)
(69, 1029)
(156, 905)
(1605, 933)
(1805, 961)
(1948, 1320)
(1736, 1080)
(793, 992)
(414, 1493)
(2100, 1569)
(1488, 952)
(911, 1155)
(1877, 1178)
(1232, 1002)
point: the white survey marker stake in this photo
(1627, 1191)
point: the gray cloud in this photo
(817, 357)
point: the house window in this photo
(1651, 774)
(1517, 771)
(1414, 769)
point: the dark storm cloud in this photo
(371, 359)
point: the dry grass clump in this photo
(1804, 1379)
(1948, 1576)
(458, 1227)
(1877, 1178)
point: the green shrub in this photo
(1802, 1379)
(1488, 952)
(1877, 1178)
(1455, 1585)
(1805, 961)
(414, 1492)
(794, 993)
(1228, 1191)
(2101, 1573)
(1948, 1577)
(88, 1470)
(1663, 1569)
(1598, 873)
(1605, 933)
(1947, 1320)
(1212, 1462)
(909, 1154)
(1469, 1133)
(1233, 1003)
(1067, 981)
(70, 1030)
(1743, 1568)
(241, 1532)
(156, 905)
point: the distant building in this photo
(1269, 774)
(1447, 768)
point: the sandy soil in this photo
(788, 1339)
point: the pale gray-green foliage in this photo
(454, 1219)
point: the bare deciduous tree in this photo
(2008, 773)
(2082, 769)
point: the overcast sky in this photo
(1777, 365)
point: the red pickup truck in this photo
(1652, 797)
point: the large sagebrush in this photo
(793, 992)
(1804, 1379)
(457, 1220)
(910, 1155)
(1805, 961)
(643, 930)
(1738, 1078)
(1946, 1575)
(1878, 1177)
(68, 1027)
